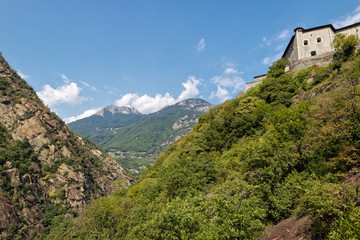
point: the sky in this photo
(83, 55)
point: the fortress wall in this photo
(292, 53)
(355, 30)
(322, 60)
(257, 80)
(316, 41)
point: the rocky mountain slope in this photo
(105, 121)
(136, 140)
(46, 171)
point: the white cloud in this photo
(284, 34)
(147, 104)
(88, 86)
(230, 70)
(266, 60)
(354, 17)
(270, 60)
(282, 37)
(85, 114)
(222, 94)
(85, 84)
(230, 81)
(65, 78)
(201, 45)
(191, 89)
(68, 93)
(276, 45)
(22, 75)
(265, 42)
(280, 47)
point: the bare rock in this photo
(26, 178)
(14, 176)
(290, 229)
(96, 152)
(32, 215)
(35, 167)
(65, 152)
(7, 213)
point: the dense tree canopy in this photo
(285, 148)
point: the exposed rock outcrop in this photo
(43, 163)
(290, 229)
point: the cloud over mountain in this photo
(85, 114)
(147, 104)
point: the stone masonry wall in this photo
(321, 60)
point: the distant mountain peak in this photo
(113, 110)
(197, 104)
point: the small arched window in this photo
(306, 42)
(318, 40)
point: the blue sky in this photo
(82, 55)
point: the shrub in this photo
(345, 45)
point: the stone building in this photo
(311, 46)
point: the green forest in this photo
(288, 147)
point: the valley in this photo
(137, 139)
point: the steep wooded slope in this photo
(45, 170)
(288, 149)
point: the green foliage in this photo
(4, 84)
(221, 127)
(187, 176)
(278, 87)
(321, 75)
(3, 136)
(135, 140)
(347, 226)
(250, 162)
(327, 202)
(277, 68)
(345, 45)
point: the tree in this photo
(345, 45)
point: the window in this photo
(306, 42)
(313, 53)
(318, 40)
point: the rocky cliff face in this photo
(195, 104)
(42, 163)
(113, 110)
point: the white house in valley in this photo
(311, 46)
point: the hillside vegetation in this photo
(137, 139)
(46, 171)
(289, 147)
(99, 125)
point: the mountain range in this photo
(136, 139)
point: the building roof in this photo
(262, 75)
